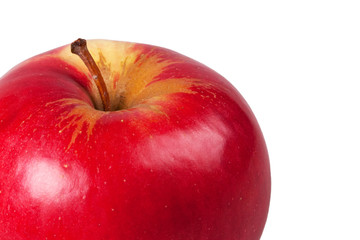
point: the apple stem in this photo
(79, 47)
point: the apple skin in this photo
(180, 157)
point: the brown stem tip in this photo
(79, 47)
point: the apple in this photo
(108, 140)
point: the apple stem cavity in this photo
(79, 47)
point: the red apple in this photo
(157, 147)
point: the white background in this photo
(297, 63)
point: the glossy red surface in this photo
(183, 166)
